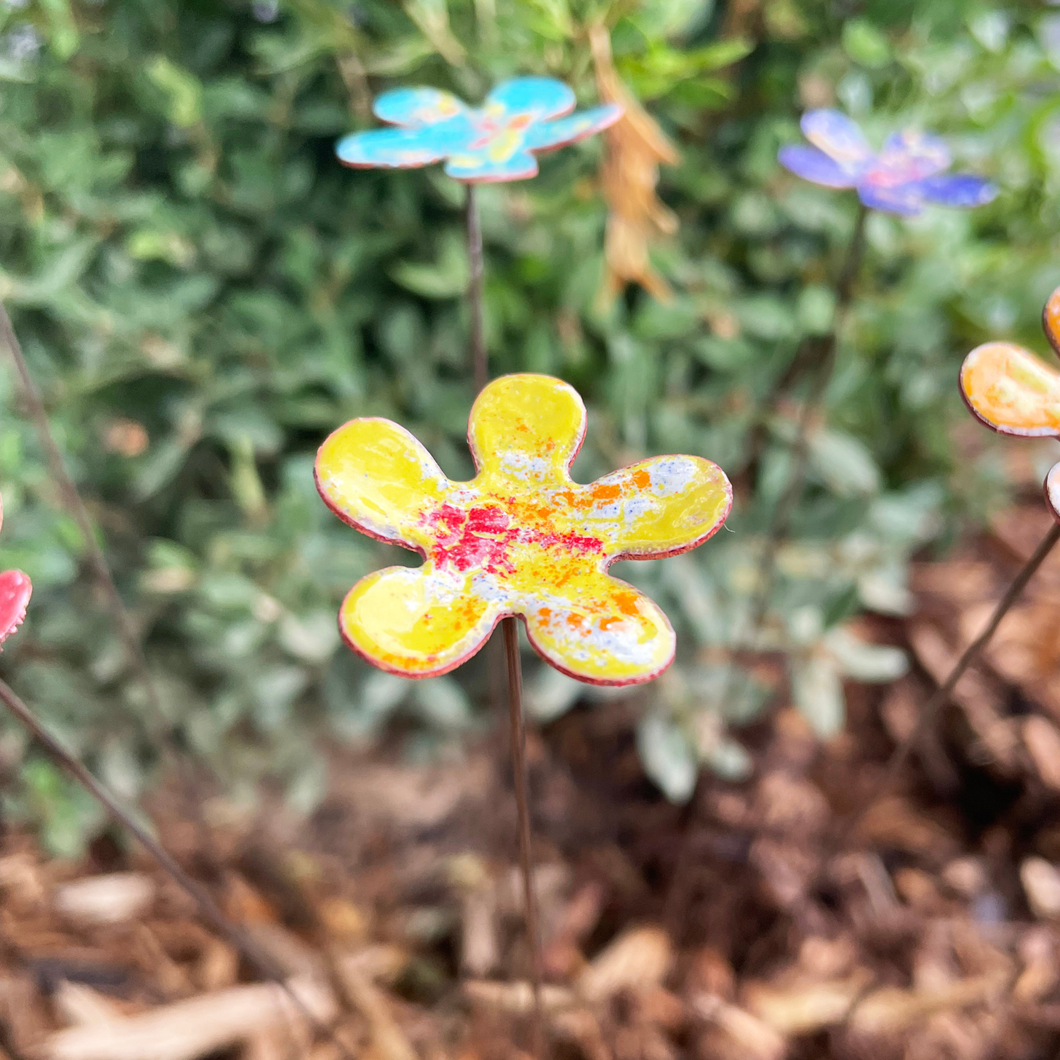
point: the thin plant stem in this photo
(844, 293)
(188, 770)
(780, 521)
(929, 712)
(210, 911)
(517, 736)
(75, 505)
(479, 357)
(778, 525)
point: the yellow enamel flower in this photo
(521, 538)
(1014, 392)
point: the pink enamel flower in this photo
(15, 591)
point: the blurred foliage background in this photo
(204, 293)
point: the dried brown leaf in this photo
(638, 959)
(635, 148)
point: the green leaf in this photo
(815, 309)
(312, 637)
(844, 463)
(669, 759)
(182, 90)
(865, 44)
(447, 277)
(873, 663)
(442, 702)
(817, 693)
(729, 760)
(550, 694)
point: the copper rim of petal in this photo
(455, 664)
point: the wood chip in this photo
(77, 1005)
(638, 958)
(389, 1041)
(755, 1039)
(190, 1029)
(1041, 972)
(805, 1008)
(1041, 884)
(113, 899)
(518, 997)
(890, 1010)
(1042, 740)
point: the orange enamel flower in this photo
(1014, 392)
(521, 538)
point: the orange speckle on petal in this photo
(607, 493)
(641, 479)
(627, 603)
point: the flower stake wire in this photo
(904, 176)
(75, 505)
(15, 592)
(1011, 391)
(520, 539)
(908, 173)
(495, 143)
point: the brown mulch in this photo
(930, 932)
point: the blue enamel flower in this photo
(493, 142)
(908, 172)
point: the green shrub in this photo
(204, 293)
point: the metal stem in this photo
(929, 712)
(517, 735)
(517, 729)
(210, 911)
(479, 356)
(75, 505)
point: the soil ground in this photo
(801, 914)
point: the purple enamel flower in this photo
(906, 174)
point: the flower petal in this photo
(416, 107)
(399, 148)
(478, 167)
(1011, 390)
(838, 136)
(657, 507)
(1051, 320)
(815, 166)
(377, 477)
(526, 426)
(1052, 490)
(547, 136)
(958, 189)
(608, 633)
(914, 155)
(15, 591)
(416, 621)
(538, 97)
(905, 199)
